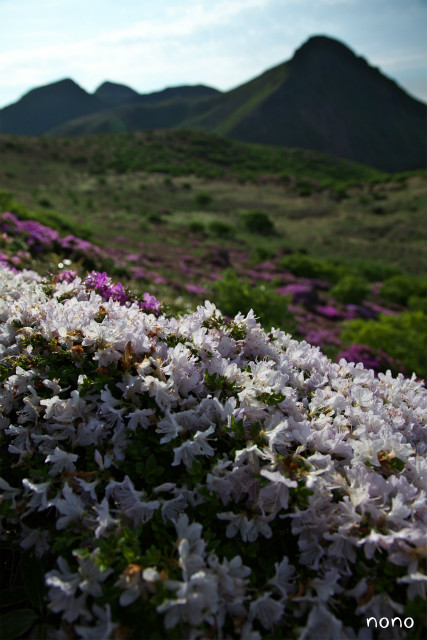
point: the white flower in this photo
(9, 493)
(198, 446)
(71, 507)
(62, 461)
(104, 519)
(267, 610)
(284, 574)
(103, 630)
(91, 576)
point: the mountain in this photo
(325, 98)
(113, 94)
(43, 108)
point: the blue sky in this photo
(222, 43)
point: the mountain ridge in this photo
(324, 98)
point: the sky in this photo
(150, 45)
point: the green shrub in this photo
(262, 253)
(155, 218)
(417, 303)
(233, 294)
(375, 271)
(403, 337)
(304, 187)
(195, 226)
(307, 267)
(350, 289)
(222, 229)
(203, 198)
(257, 221)
(400, 288)
(339, 192)
(364, 199)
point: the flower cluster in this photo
(40, 237)
(103, 284)
(194, 477)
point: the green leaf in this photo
(16, 623)
(33, 578)
(12, 596)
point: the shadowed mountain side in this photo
(131, 117)
(113, 94)
(42, 108)
(334, 102)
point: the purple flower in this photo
(118, 293)
(320, 337)
(150, 303)
(196, 289)
(68, 276)
(375, 359)
(329, 312)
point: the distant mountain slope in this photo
(160, 110)
(113, 94)
(41, 109)
(332, 101)
(325, 98)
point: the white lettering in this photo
(385, 622)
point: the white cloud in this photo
(151, 45)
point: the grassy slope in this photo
(144, 187)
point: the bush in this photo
(258, 222)
(403, 337)
(417, 303)
(234, 294)
(307, 267)
(375, 271)
(262, 253)
(222, 229)
(45, 202)
(203, 198)
(190, 477)
(400, 288)
(196, 227)
(350, 289)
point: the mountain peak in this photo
(322, 45)
(114, 94)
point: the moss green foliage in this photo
(233, 294)
(400, 288)
(257, 221)
(306, 266)
(183, 152)
(196, 227)
(403, 337)
(375, 271)
(203, 198)
(222, 229)
(350, 289)
(417, 303)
